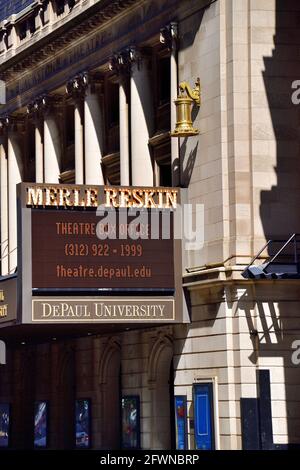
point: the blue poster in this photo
(83, 424)
(203, 415)
(130, 422)
(4, 424)
(40, 424)
(180, 419)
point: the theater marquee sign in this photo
(8, 299)
(79, 243)
(67, 253)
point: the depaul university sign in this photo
(102, 310)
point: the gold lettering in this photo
(51, 196)
(171, 198)
(91, 198)
(160, 198)
(76, 197)
(149, 201)
(124, 198)
(137, 198)
(63, 196)
(3, 311)
(111, 196)
(79, 202)
(34, 196)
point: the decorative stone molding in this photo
(38, 105)
(40, 8)
(67, 177)
(42, 105)
(163, 342)
(76, 87)
(104, 14)
(4, 121)
(4, 31)
(169, 35)
(13, 124)
(122, 61)
(112, 347)
(65, 364)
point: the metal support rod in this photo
(281, 249)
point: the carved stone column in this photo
(35, 109)
(120, 63)
(15, 127)
(3, 199)
(52, 141)
(93, 131)
(39, 153)
(76, 89)
(169, 36)
(141, 119)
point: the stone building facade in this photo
(90, 89)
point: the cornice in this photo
(57, 40)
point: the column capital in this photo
(76, 87)
(123, 62)
(42, 105)
(169, 35)
(12, 124)
(35, 109)
(3, 126)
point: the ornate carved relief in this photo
(77, 86)
(112, 347)
(169, 35)
(121, 62)
(42, 105)
(13, 124)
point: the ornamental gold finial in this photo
(195, 93)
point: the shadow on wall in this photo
(280, 215)
(273, 330)
(187, 163)
(189, 27)
(281, 69)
